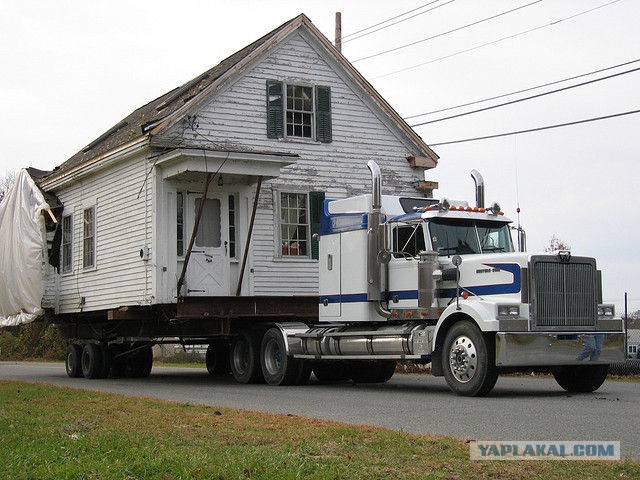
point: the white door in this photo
(208, 269)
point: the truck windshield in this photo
(451, 236)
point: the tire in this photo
(244, 358)
(118, 365)
(140, 363)
(105, 357)
(217, 359)
(372, 371)
(581, 378)
(91, 361)
(468, 360)
(277, 367)
(304, 373)
(331, 371)
(73, 360)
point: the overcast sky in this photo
(72, 69)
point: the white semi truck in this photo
(401, 279)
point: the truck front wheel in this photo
(468, 360)
(581, 378)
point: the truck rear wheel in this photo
(217, 358)
(468, 360)
(277, 367)
(73, 360)
(581, 378)
(244, 357)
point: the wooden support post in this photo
(196, 224)
(249, 234)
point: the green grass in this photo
(55, 433)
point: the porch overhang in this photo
(188, 164)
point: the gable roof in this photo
(157, 115)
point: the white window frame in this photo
(278, 230)
(285, 95)
(66, 267)
(85, 237)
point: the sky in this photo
(71, 69)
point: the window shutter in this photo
(275, 117)
(323, 114)
(316, 201)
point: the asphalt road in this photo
(519, 408)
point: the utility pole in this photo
(338, 41)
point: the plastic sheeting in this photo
(22, 242)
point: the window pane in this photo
(299, 111)
(88, 244)
(180, 224)
(209, 229)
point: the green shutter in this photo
(316, 200)
(323, 114)
(275, 117)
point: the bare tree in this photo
(6, 182)
(556, 244)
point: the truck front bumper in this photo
(535, 349)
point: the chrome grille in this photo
(564, 294)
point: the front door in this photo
(208, 269)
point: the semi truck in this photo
(401, 279)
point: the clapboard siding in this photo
(123, 215)
(361, 132)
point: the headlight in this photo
(606, 311)
(509, 311)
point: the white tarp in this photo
(22, 241)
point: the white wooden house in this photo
(289, 116)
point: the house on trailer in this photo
(247, 151)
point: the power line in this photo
(495, 41)
(521, 91)
(547, 127)
(447, 32)
(527, 98)
(389, 19)
(399, 21)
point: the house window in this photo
(89, 238)
(299, 220)
(298, 111)
(67, 244)
(180, 224)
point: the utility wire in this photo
(529, 130)
(495, 41)
(389, 19)
(527, 98)
(447, 32)
(522, 91)
(399, 21)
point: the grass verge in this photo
(56, 433)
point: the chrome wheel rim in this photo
(463, 359)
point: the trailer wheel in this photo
(331, 371)
(244, 357)
(217, 359)
(140, 363)
(581, 378)
(277, 367)
(372, 371)
(91, 361)
(468, 360)
(73, 361)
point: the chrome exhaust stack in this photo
(479, 181)
(377, 253)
